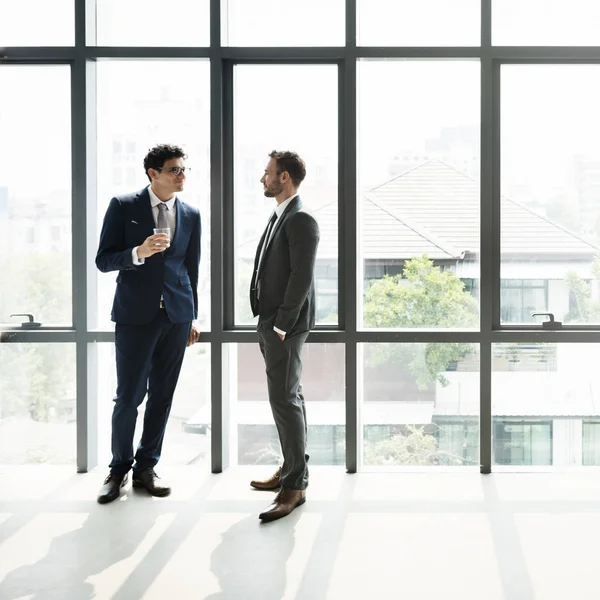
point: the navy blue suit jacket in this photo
(172, 273)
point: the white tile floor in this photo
(370, 536)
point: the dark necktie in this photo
(268, 232)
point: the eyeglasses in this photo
(175, 170)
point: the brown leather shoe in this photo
(268, 484)
(285, 502)
(271, 484)
(111, 489)
(149, 480)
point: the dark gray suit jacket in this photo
(286, 275)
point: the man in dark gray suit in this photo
(282, 294)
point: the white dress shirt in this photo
(171, 220)
(279, 210)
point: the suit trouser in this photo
(149, 359)
(283, 361)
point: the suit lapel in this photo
(256, 259)
(146, 217)
(259, 248)
(294, 206)
(179, 219)
(145, 210)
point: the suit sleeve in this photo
(192, 260)
(111, 255)
(303, 237)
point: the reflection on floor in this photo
(370, 536)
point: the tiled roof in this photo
(434, 210)
(445, 204)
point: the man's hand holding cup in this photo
(158, 242)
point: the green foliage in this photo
(425, 297)
(413, 447)
(39, 284)
(35, 379)
(585, 309)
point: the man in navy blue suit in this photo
(155, 304)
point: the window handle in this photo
(551, 323)
(30, 323)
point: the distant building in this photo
(434, 209)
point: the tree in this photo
(424, 296)
(585, 309)
(413, 447)
(35, 378)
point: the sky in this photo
(306, 22)
(549, 112)
(549, 115)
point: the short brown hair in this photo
(290, 162)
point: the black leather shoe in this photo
(111, 489)
(149, 480)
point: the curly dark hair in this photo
(159, 155)
(292, 163)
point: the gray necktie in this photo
(162, 216)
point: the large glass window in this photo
(541, 396)
(591, 443)
(283, 23)
(306, 122)
(521, 297)
(27, 23)
(134, 114)
(421, 23)
(37, 404)
(35, 194)
(421, 404)
(153, 23)
(545, 22)
(550, 205)
(187, 437)
(418, 150)
(148, 80)
(323, 385)
(522, 443)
